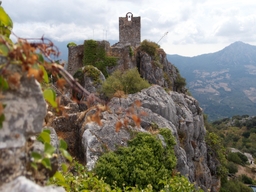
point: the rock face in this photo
(21, 184)
(160, 72)
(24, 116)
(178, 112)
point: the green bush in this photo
(145, 161)
(237, 158)
(180, 82)
(71, 44)
(95, 54)
(234, 186)
(245, 179)
(149, 47)
(77, 178)
(215, 144)
(232, 168)
(129, 82)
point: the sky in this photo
(194, 27)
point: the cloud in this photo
(188, 22)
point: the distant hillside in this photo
(224, 82)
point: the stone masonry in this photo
(129, 30)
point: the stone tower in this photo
(129, 30)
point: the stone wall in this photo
(129, 30)
(76, 54)
(75, 58)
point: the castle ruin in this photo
(129, 30)
(129, 35)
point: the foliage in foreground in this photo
(145, 161)
(128, 82)
(77, 178)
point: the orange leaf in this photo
(61, 83)
(126, 121)
(137, 103)
(143, 113)
(37, 73)
(136, 120)
(96, 118)
(118, 126)
(14, 79)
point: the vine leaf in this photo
(44, 137)
(58, 176)
(47, 163)
(45, 75)
(63, 144)
(50, 96)
(66, 154)
(49, 149)
(37, 157)
(3, 84)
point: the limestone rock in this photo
(24, 116)
(24, 113)
(21, 184)
(178, 112)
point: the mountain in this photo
(223, 82)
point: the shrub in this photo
(145, 161)
(95, 54)
(71, 44)
(129, 82)
(237, 158)
(149, 47)
(232, 168)
(180, 82)
(245, 179)
(235, 186)
(215, 145)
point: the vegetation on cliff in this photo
(233, 132)
(95, 54)
(127, 82)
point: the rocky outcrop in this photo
(157, 71)
(24, 116)
(25, 110)
(176, 111)
(22, 184)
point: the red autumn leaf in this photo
(61, 83)
(36, 73)
(96, 118)
(126, 121)
(118, 126)
(137, 103)
(14, 79)
(136, 120)
(143, 113)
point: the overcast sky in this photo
(194, 26)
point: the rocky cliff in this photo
(91, 132)
(164, 108)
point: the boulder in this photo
(24, 116)
(22, 184)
